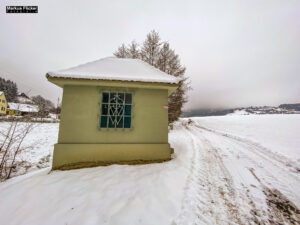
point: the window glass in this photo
(127, 122)
(104, 108)
(128, 110)
(116, 110)
(111, 121)
(103, 122)
(120, 122)
(105, 97)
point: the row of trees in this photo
(10, 90)
(160, 55)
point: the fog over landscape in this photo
(237, 53)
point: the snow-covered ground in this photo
(226, 170)
(278, 133)
(38, 144)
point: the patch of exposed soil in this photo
(282, 210)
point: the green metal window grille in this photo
(116, 110)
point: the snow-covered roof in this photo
(23, 107)
(112, 68)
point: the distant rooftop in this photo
(23, 107)
(112, 68)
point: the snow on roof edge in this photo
(72, 76)
(91, 76)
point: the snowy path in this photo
(234, 181)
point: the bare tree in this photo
(12, 145)
(160, 55)
(133, 50)
(122, 52)
(151, 47)
(45, 105)
(58, 108)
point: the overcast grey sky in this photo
(237, 53)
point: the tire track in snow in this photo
(192, 200)
(225, 189)
(209, 194)
(274, 174)
(241, 206)
(261, 150)
(273, 169)
(281, 210)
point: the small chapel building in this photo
(114, 110)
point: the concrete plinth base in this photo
(70, 156)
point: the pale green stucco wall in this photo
(81, 110)
(81, 140)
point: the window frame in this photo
(108, 103)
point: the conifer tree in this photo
(160, 55)
(169, 63)
(9, 88)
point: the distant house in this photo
(18, 109)
(113, 111)
(3, 103)
(23, 98)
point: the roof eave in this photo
(62, 81)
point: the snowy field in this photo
(38, 144)
(240, 169)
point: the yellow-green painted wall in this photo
(81, 111)
(3, 104)
(81, 141)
